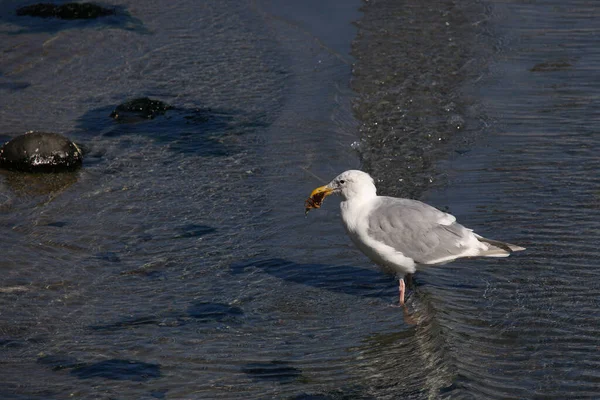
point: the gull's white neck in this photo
(356, 204)
(359, 191)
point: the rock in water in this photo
(40, 152)
(139, 109)
(65, 11)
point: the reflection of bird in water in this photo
(402, 235)
(412, 362)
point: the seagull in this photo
(402, 235)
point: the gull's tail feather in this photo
(497, 248)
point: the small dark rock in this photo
(40, 152)
(44, 10)
(65, 11)
(139, 109)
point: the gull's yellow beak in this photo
(316, 198)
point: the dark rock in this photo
(65, 11)
(40, 152)
(139, 109)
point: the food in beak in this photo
(316, 199)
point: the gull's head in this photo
(350, 184)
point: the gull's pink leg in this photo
(401, 287)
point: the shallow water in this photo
(178, 262)
(534, 320)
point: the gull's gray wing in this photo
(417, 230)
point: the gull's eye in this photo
(342, 181)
